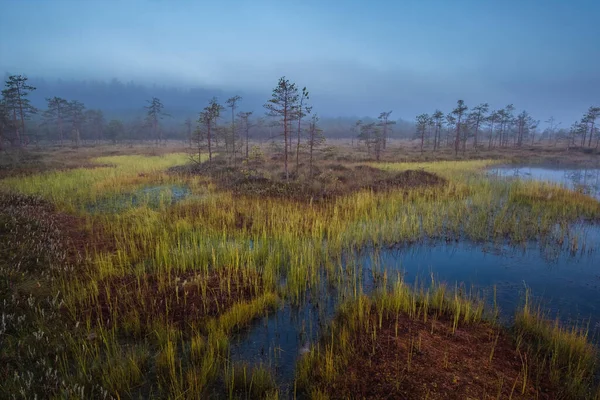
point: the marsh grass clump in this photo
(136, 303)
(414, 343)
(141, 299)
(326, 182)
(563, 355)
(246, 382)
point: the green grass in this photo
(266, 240)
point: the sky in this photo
(355, 57)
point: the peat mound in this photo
(135, 302)
(412, 359)
(326, 182)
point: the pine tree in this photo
(207, 124)
(438, 120)
(232, 103)
(315, 139)
(245, 122)
(301, 111)
(155, 112)
(476, 119)
(15, 95)
(282, 105)
(75, 115)
(422, 121)
(459, 111)
(384, 123)
(56, 114)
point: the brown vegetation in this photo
(28, 220)
(135, 302)
(412, 359)
(329, 180)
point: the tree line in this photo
(481, 127)
(286, 109)
(66, 118)
(285, 116)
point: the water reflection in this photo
(586, 180)
(151, 196)
(566, 284)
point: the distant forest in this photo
(39, 110)
(126, 102)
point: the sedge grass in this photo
(278, 240)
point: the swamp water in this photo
(564, 281)
(151, 196)
(585, 180)
(565, 284)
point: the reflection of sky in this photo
(566, 285)
(586, 179)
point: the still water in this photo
(566, 283)
(585, 180)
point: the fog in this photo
(356, 59)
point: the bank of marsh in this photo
(163, 285)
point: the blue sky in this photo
(356, 57)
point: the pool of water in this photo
(151, 196)
(584, 179)
(563, 281)
(566, 284)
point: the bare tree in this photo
(281, 105)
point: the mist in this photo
(355, 60)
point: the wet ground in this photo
(564, 282)
(151, 196)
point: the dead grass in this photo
(408, 358)
(329, 180)
(34, 160)
(137, 303)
